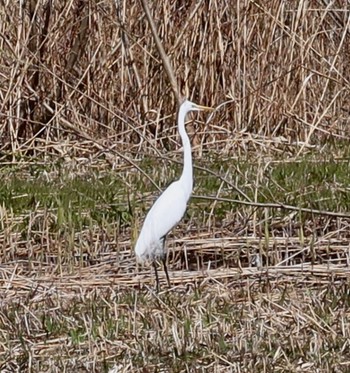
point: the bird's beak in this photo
(206, 108)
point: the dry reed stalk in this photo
(284, 67)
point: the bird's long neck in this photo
(187, 173)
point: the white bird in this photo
(171, 205)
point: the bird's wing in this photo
(168, 209)
(166, 212)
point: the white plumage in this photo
(170, 207)
(166, 212)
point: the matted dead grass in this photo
(80, 303)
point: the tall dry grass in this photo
(84, 69)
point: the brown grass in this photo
(76, 66)
(80, 303)
(81, 84)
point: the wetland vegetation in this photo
(260, 263)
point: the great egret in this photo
(171, 205)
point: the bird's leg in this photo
(166, 271)
(156, 272)
(164, 262)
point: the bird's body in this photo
(167, 211)
(170, 207)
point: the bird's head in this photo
(191, 106)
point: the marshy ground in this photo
(73, 297)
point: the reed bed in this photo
(90, 71)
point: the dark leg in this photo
(164, 261)
(156, 272)
(166, 271)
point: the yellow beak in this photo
(207, 108)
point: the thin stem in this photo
(165, 59)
